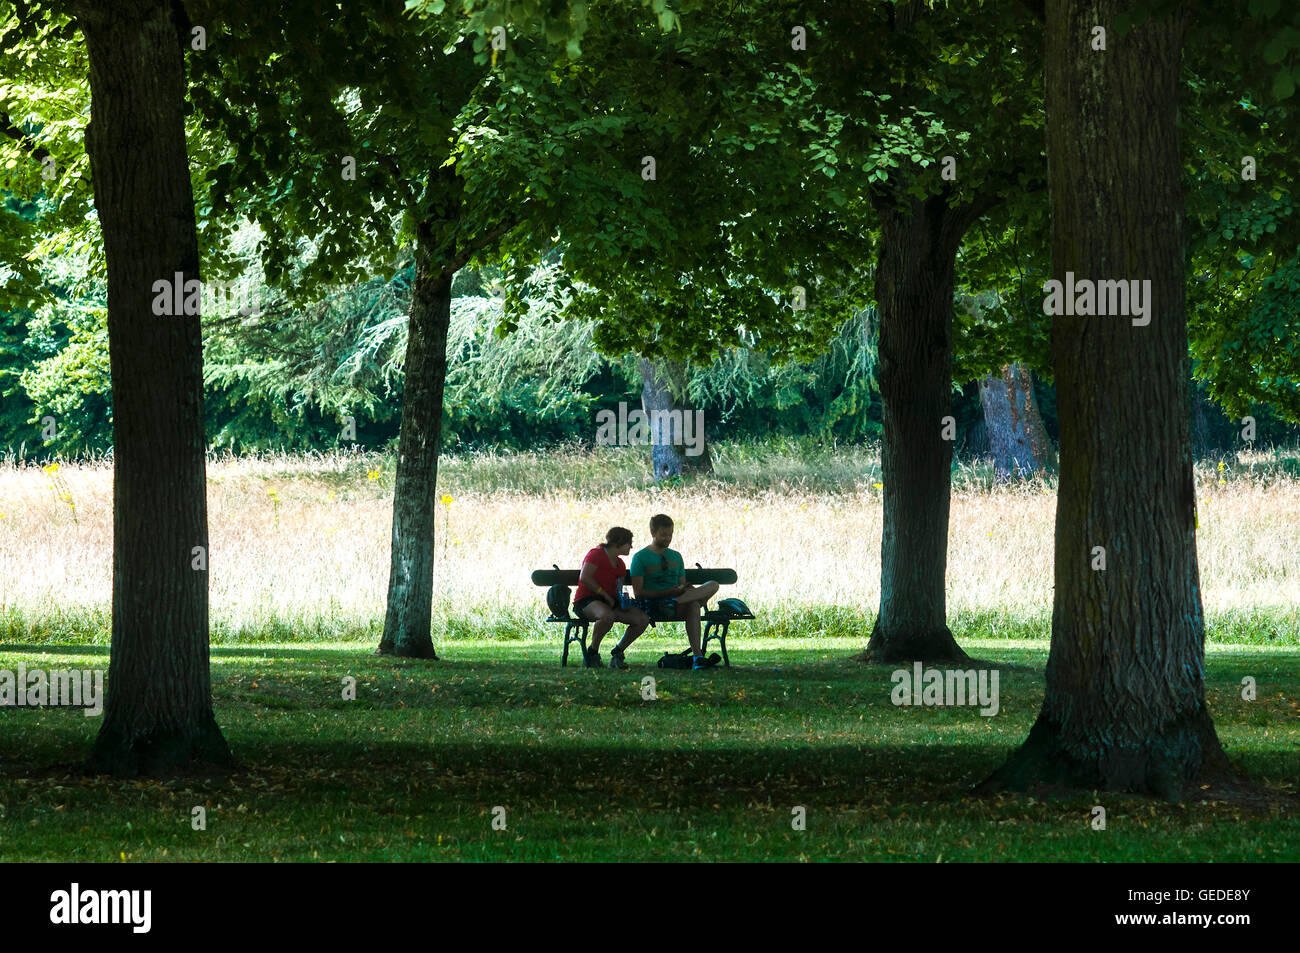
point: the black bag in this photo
(557, 600)
(685, 659)
(677, 659)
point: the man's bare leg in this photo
(690, 614)
(698, 593)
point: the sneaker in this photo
(701, 662)
(616, 659)
(592, 660)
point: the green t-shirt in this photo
(661, 570)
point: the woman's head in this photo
(618, 539)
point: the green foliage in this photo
(830, 397)
(565, 23)
(71, 383)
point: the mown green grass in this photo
(586, 769)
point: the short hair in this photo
(618, 536)
(659, 520)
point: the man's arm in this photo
(638, 590)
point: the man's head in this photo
(661, 530)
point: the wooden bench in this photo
(716, 622)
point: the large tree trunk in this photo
(914, 288)
(1124, 708)
(158, 713)
(410, 579)
(1202, 439)
(1018, 440)
(662, 382)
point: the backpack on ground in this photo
(677, 659)
(685, 659)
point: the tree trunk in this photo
(1018, 440)
(1124, 708)
(1200, 426)
(914, 289)
(158, 714)
(410, 579)
(662, 383)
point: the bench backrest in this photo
(696, 577)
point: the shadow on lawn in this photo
(403, 778)
(51, 648)
(362, 772)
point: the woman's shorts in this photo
(582, 604)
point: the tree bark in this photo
(914, 291)
(1124, 708)
(662, 382)
(407, 624)
(1018, 440)
(1200, 425)
(158, 713)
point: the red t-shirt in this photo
(609, 578)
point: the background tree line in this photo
(288, 378)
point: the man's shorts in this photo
(660, 610)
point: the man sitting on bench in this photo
(659, 576)
(600, 585)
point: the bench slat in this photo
(555, 577)
(569, 577)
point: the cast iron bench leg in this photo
(717, 630)
(580, 628)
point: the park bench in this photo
(716, 621)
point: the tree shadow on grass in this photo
(418, 778)
(51, 648)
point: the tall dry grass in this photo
(300, 544)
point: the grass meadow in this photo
(582, 764)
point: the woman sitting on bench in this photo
(600, 586)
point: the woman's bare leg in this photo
(637, 622)
(603, 617)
